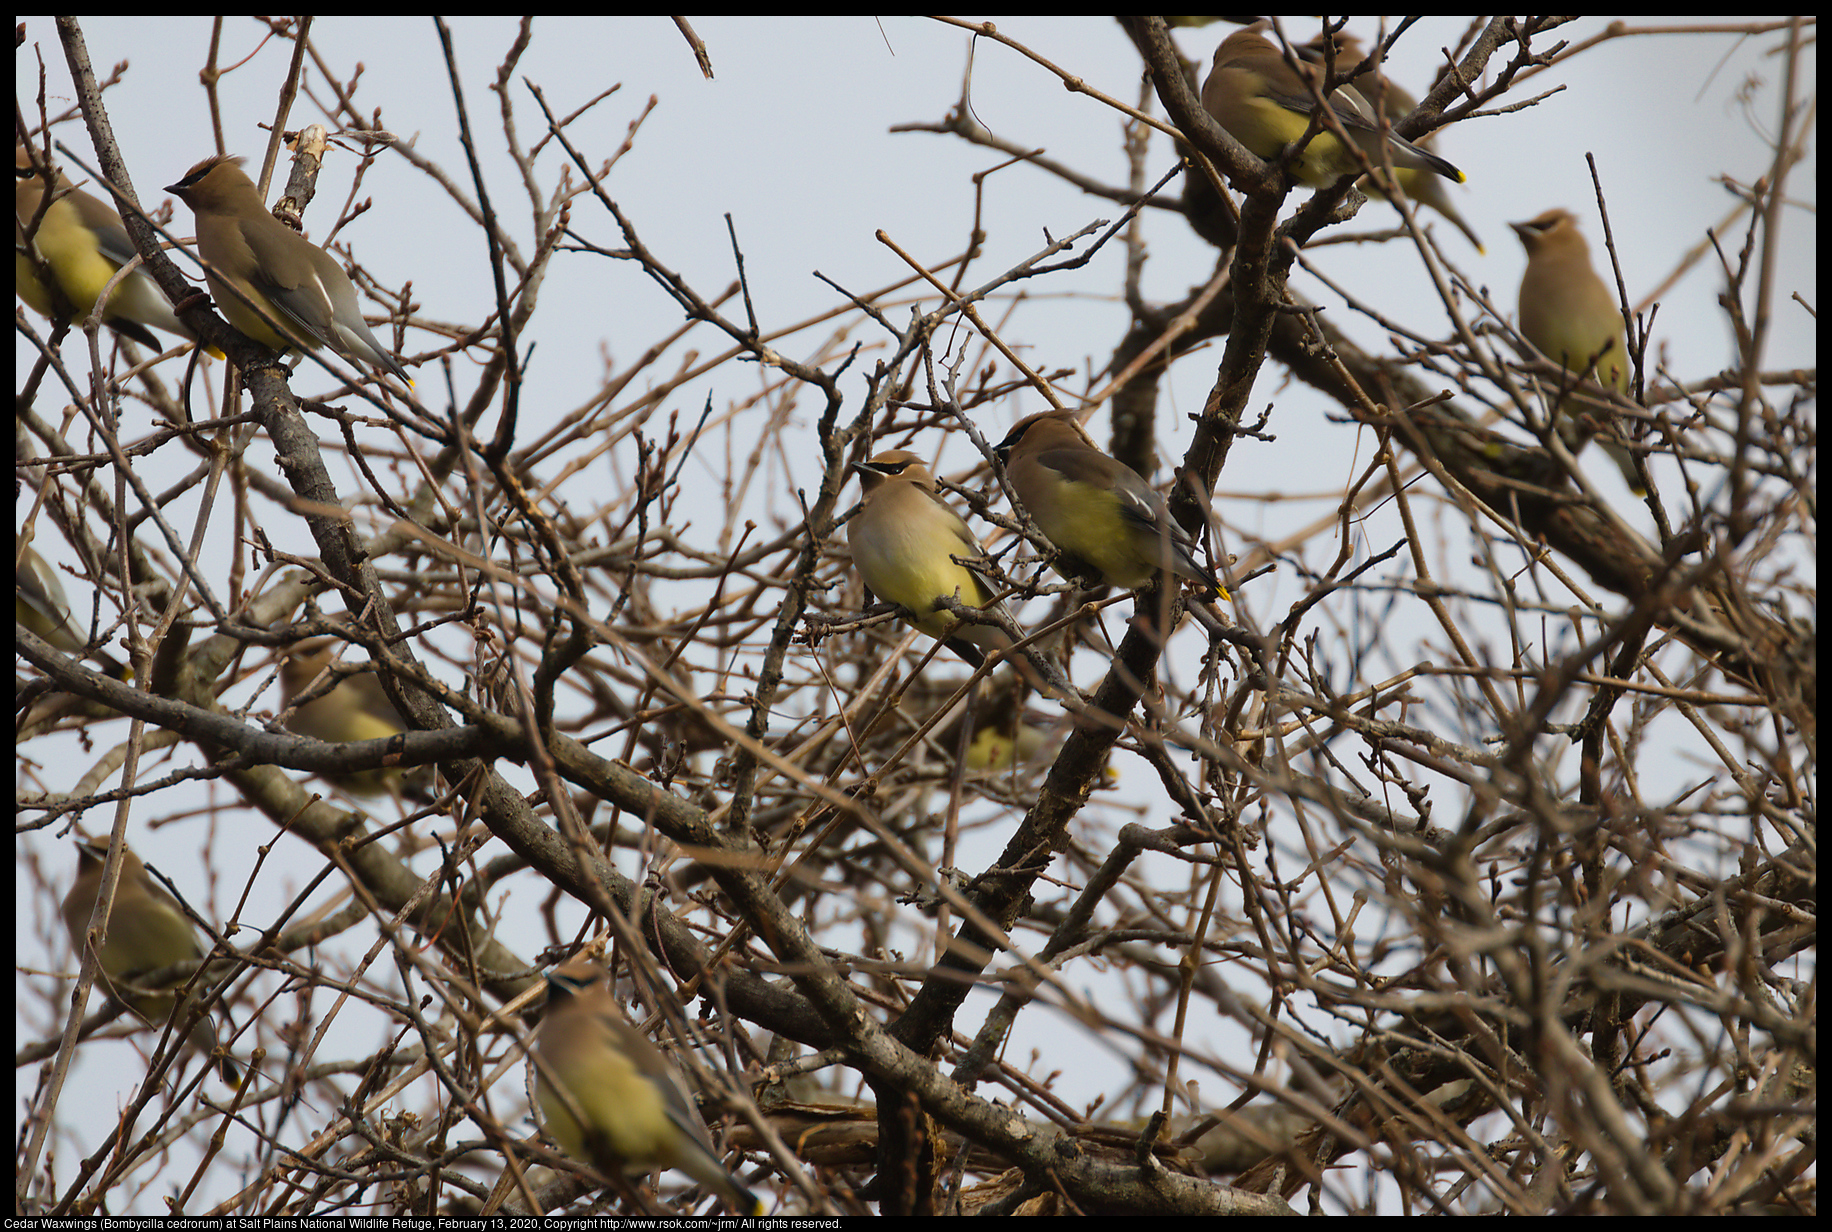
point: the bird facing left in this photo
(1267, 106)
(272, 283)
(1104, 519)
(147, 931)
(625, 1107)
(82, 242)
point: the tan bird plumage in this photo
(1267, 106)
(1571, 316)
(357, 709)
(903, 542)
(82, 241)
(1396, 103)
(294, 284)
(147, 932)
(39, 603)
(1105, 520)
(633, 1111)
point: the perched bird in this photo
(82, 242)
(1095, 510)
(1266, 106)
(637, 1114)
(1002, 733)
(1572, 318)
(994, 748)
(357, 709)
(300, 295)
(1396, 103)
(40, 605)
(147, 931)
(904, 541)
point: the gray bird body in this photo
(147, 931)
(1094, 509)
(301, 296)
(637, 1112)
(1571, 316)
(1266, 106)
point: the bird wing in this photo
(969, 545)
(677, 1103)
(1349, 108)
(1138, 504)
(304, 306)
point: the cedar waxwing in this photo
(994, 748)
(292, 281)
(147, 931)
(40, 605)
(904, 539)
(82, 241)
(1005, 736)
(1396, 104)
(1094, 509)
(1572, 318)
(1266, 106)
(638, 1113)
(357, 709)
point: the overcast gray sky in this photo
(792, 140)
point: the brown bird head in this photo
(893, 464)
(1043, 430)
(217, 185)
(1550, 230)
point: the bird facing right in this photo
(625, 1107)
